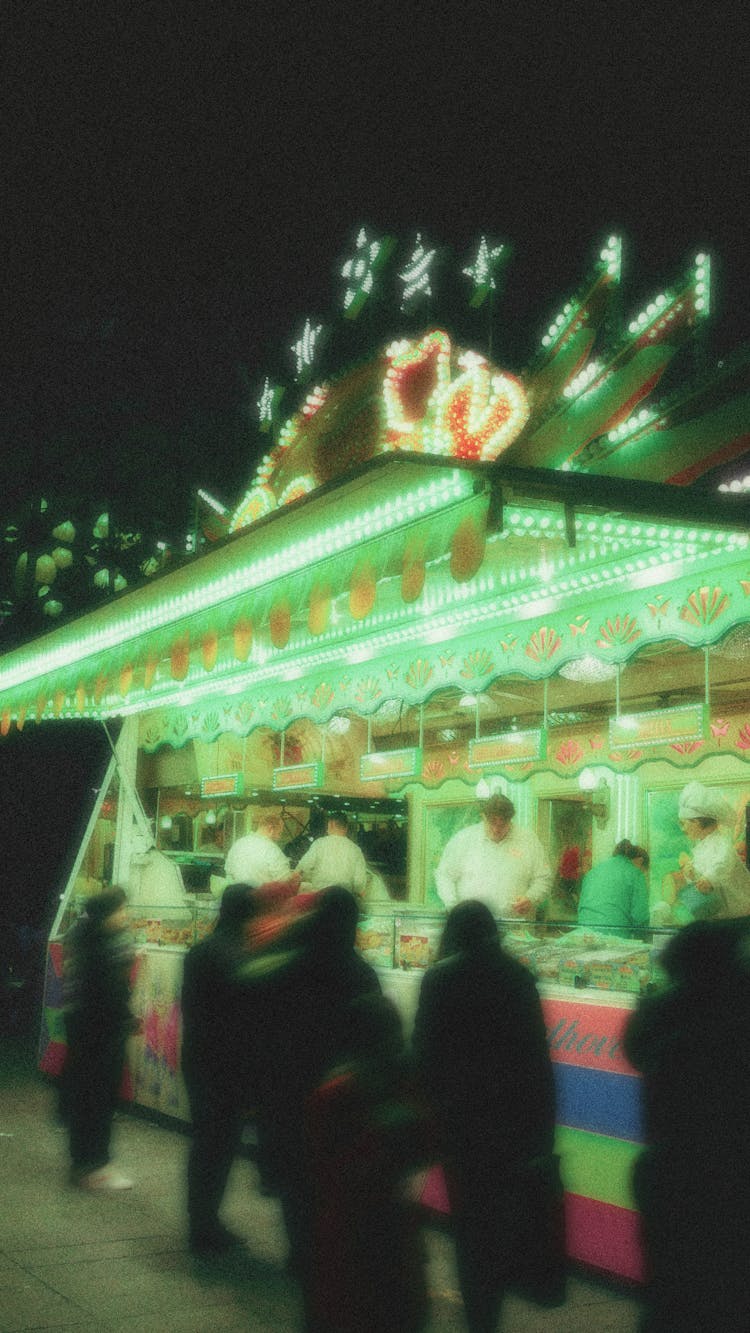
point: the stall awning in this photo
(411, 574)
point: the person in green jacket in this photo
(614, 893)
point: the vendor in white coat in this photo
(715, 867)
(257, 859)
(334, 859)
(495, 861)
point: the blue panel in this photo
(600, 1102)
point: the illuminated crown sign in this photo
(419, 396)
(585, 402)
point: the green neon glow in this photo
(417, 277)
(703, 285)
(482, 270)
(561, 324)
(67, 647)
(305, 347)
(608, 551)
(611, 257)
(584, 379)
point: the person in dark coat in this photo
(98, 958)
(217, 1050)
(364, 1133)
(304, 1031)
(481, 1050)
(691, 1043)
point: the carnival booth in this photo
(445, 580)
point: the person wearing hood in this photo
(217, 1064)
(715, 870)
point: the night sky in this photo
(181, 183)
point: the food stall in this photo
(444, 580)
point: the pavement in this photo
(119, 1263)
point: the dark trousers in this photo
(695, 1218)
(92, 1077)
(217, 1116)
(485, 1216)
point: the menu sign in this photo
(382, 764)
(660, 727)
(224, 784)
(511, 747)
(298, 775)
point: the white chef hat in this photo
(699, 802)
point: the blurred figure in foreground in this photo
(364, 1135)
(217, 1049)
(691, 1042)
(481, 1050)
(98, 957)
(303, 1030)
(614, 893)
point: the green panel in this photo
(597, 1167)
(55, 1024)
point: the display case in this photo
(557, 953)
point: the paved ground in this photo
(70, 1260)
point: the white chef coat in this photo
(333, 859)
(497, 873)
(715, 859)
(255, 860)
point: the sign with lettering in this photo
(298, 775)
(661, 726)
(510, 747)
(589, 1035)
(224, 784)
(382, 764)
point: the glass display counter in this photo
(555, 952)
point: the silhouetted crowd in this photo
(284, 1023)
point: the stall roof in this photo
(408, 574)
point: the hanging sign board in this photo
(382, 764)
(224, 784)
(662, 726)
(294, 776)
(512, 747)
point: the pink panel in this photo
(55, 955)
(53, 1058)
(604, 1237)
(434, 1194)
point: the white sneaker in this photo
(106, 1178)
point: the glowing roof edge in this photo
(393, 488)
